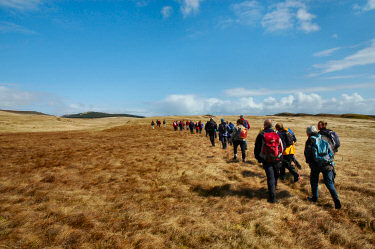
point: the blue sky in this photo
(165, 57)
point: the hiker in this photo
(247, 126)
(330, 136)
(187, 125)
(197, 127)
(239, 138)
(205, 127)
(181, 124)
(230, 132)
(319, 156)
(201, 125)
(211, 130)
(175, 125)
(294, 159)
(223, 133)
(191, 126)
(164, 123)
(153, 124)
(268, 150)
(288, 153)
(158, 122)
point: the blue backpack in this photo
(322, 152)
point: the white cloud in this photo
(370, 5)
(335, 36)
(287, 15)
(326, 52)
(248, 12)
(20, 4)
(362, 57)
(7, 27)
(298, 102)
(305, 21)
(166, 11)
(13, 98)
(190, 7)
(10, 97)
(242, 92)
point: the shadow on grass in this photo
(239, 160)
(225, 190)
(248, 173)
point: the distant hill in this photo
(99, 115)
(348, 115)
(25, 112)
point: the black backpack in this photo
(331, 137)
(288, 138)
(222, 128)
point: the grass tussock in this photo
(133, 187)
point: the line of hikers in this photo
(275, 149)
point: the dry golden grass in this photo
(133, 187)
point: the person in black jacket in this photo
(316, 169)
(211, 129)
(191, 126)
(270, 167)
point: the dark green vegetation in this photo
(99, 115)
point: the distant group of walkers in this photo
(275, 149)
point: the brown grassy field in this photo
(128, 186)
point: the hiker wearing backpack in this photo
(239, 138)
(223, 133)
(294, 159)
(153, 124)
(187, 125)
(197, 127)
(319, 156)
(175, 125)
(230, 132)
(205, 127)
(288, 154)
(158, 122)
(164, 123)
(211, 130)
(330, 136)
(247, 126)
(181, 125)
(201, 125)
(191, 127)
(268, 151)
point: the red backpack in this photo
(243, 133)
(271, 147)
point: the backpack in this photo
(288, 138)
(291, 132)
(271, 148)
(246, 124)
(332, 138)
(243, 133)
(322, 152)
(222, 128)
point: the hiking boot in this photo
(312, 199)
(337, 204)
